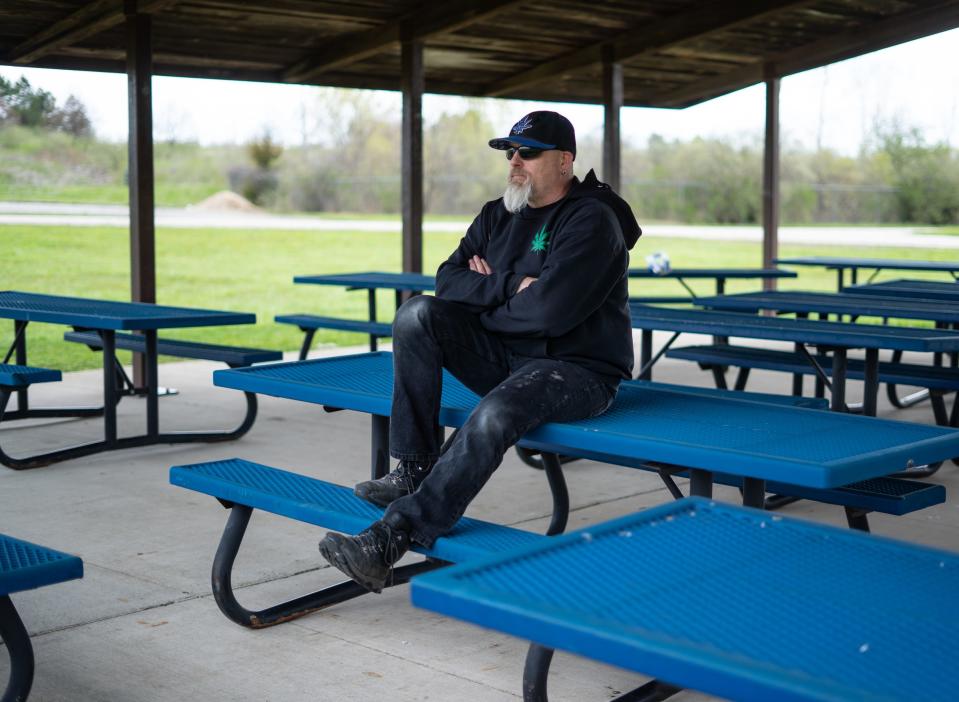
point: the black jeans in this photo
(518, 394)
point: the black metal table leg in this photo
(754, 493)
(559, 491)
(20, 650)
(108, 340)
(700, 482)
(153, 383)
(536, 674)
(20, 349)
(645, 354)
(221, 577)
(379, 446)
(838, 401)
(307, 342)
(871, 383)
(371, 306)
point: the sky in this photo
(836, 107)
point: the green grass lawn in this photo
(253, 271)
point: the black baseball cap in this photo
(540, 130)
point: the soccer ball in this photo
(658, 263)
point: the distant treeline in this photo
(350, 163)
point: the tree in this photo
(72, 119)
(264, 151)
(926, 177)
(21, 103)
(25, 105)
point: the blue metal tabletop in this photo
(809, 331)
(787, 444)
(713, 273)
(372, 280)
(684, 593)
(836, 303)
(109, 314)
(24, 566)
(855, 263)
(922, 289)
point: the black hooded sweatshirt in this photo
(577, 249)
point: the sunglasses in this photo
(527, 153)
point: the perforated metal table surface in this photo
(726, 600)
(843, 263)
(372, 280)
(25, 566)
(753, 439)
(844, 303)
(110, 314)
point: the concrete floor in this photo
(141, 626)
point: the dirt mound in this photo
(226, 201)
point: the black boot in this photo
(369, 556)
(402, 480)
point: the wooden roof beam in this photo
(856, 42)
(439, 18)
(646, 38)
(89, 20)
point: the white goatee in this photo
(516, 197)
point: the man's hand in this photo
(479, 265)
(526, 282)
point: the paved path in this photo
(62, 214)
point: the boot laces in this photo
(404, 476)
(381, 540)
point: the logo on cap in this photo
(522, 125)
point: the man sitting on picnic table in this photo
(530, 313)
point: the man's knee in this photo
(413, 315)
(494, 419)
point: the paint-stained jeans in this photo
(518, 394)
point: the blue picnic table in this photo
(106, 317)
(841, 264)
(921, 289)
(720, 275)
(684, 592)
(707, 435)
(371, 281)
(839, 336)
(944, 313)
(405, 283)
(844, 303)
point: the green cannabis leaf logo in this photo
(540, 240)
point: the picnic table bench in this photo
(233, 356)
(26, 566)
(922, 289)
(856, 607)
(945, 314)
(16, 378)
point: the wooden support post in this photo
(771, 176)
(140, 164)
(412, 155)
(612, 104)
